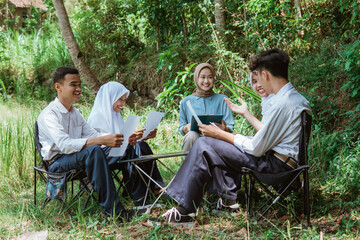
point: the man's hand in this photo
(113, 140)
(210, 130)
(136, 135)
(242, 109)
(186, 128)
(151, 135)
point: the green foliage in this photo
(108, 34)
(345, 171)
(350, 54)
(174, 90)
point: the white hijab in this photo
(102, 117)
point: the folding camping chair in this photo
(56, 183)
(279, 185)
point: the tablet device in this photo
(205, 119)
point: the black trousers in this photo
(199, 169)
(134, 182)
(94, 161)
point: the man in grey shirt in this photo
(273, 149)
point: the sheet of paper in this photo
(128, 129)
(193, 112)
(152, 121)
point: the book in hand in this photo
(205, 119)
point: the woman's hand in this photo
(238, 109)
(136, 135)
(151, 135)
(222, 126)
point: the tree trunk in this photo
(183, 19)
(157, 38)
(298, 16)
(219, 16)
(77, 57)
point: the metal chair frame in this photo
(70, 176)
(268, 180)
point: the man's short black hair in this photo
(58, 75)
(274, 60)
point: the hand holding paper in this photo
(129, 128)
(152, 122)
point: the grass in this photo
(333, 216)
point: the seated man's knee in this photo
(94, 150)
(206, 141)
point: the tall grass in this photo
(27, 61)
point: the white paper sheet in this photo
(152, 121)
(193, 112)
(128, 129)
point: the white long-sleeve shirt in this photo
(282, 125)
(62, 131)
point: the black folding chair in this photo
(279, 185)
(56, 183)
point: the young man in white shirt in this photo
(273, 149)
(68, 142)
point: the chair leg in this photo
(35, 187)
(248, 194)
(279, 196)
(66, 207)
(306, 198)
(46, 201)
(88, 199)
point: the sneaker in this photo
(175, 218)
(139, 203)
(125, 215)
(222, 209)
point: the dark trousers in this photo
(93, 160)
(135, 185)
(198, 169)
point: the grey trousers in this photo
(231, 183)
(207, 154)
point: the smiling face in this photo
(120, 104)
(69, 90)
(206, 79)
(257, 86)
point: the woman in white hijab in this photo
(106, 117)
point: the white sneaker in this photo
(175, 218)
(222, 209)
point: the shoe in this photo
(222, 209)
(175, 218)
(157, 191)
(125, 215)
(139, 203)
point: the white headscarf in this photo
(103, 118)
